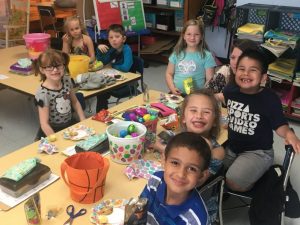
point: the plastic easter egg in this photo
(131, 129)
(123, 133)
(132, 116)
(126, 116)
(153, 117)
(141, 120)
(141, 111)
(146, 117)
(134, 134)
(128, 136)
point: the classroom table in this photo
(57, 194)
(29, 84)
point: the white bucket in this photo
(126, 150)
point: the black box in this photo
(165, 21)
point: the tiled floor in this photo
(19, 122)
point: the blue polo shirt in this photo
(191, 211)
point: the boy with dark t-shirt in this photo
(254, 112)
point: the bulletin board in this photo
(129, 13)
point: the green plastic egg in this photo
(131, 129)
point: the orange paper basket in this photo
(86, 172)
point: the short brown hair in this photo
(118, 28)
(192, 141)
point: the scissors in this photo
(70, 211)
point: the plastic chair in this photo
(131, 89)
(48, 21)
(14, 23)
(246, 197)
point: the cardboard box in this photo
(162, 2)
(152, 2)
(176, 3)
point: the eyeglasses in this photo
(51, 68)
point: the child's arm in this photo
(290, 138)
(169, 79)
(220, 97)
(102, 54)
(90, 45)
(76, 106)
(209, 73)
(44, 120)
(66, 45)
(127, 62)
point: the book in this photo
(277, 50)
(251, 28)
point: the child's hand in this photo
(103, 48)
(176, 91)
(293, 140)
(66, 38)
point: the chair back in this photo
(47, 18)
(14, 20)
(138, 66)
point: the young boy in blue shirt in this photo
(254, 112)
(172, 197)
(119, 55)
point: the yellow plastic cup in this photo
(78, 64)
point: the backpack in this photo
(269, 199)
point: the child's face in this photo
(74, 29)
(192, 36)
(236, 52)
(53, 71)
(199, 116)
(116, 40)
(249, 76)
(183, 171)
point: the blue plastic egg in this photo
(123, 133)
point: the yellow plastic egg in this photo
(147, 117)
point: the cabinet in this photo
(285, 19)
(165, 23)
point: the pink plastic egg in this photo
(135, 134)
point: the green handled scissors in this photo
(71, 212)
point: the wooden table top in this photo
(57, 194)
(29, 84)
(60, 13)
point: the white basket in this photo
(126, 150)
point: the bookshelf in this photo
(165, 19)
(286, 19)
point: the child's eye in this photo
(207, 112)
(193, 169)
(174, 162)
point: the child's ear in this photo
(264, 78)
(124, 39)
(203, 178)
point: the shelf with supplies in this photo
(165, 19)
(277, 28)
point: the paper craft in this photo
(78, 132)
(142, 169)
(111, 211)
(7, 201)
